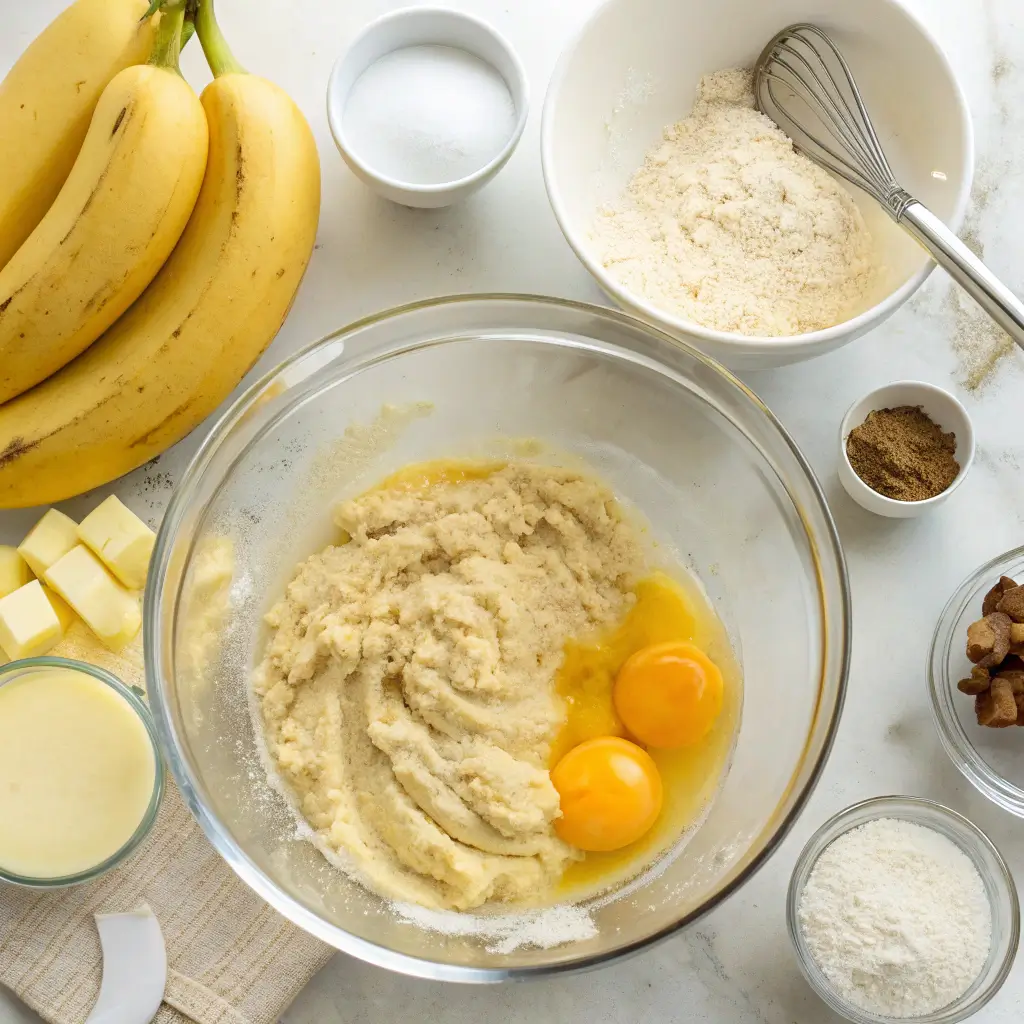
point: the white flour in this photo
(897, 918)
(728, 226)
(505, 933)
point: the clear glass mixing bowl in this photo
(724, 488)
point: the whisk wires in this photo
(804, 84)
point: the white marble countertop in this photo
(735, 967)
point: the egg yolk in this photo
(610, 794)
(668, 695)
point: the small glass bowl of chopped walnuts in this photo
(976, 676)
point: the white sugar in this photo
(426, 115)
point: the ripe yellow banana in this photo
(114, 223)
(48, 97)
(211, 311)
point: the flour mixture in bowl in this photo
(728, 226)
(422, 672)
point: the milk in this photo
(77, 772)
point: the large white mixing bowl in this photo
(634, 69)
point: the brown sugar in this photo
(903, 454)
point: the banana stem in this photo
(167, 46)
(218, 53)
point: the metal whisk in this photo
(803, 83)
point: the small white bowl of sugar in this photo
(427, 105)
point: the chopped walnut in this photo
(996, 707)
(1012, 604)
(1016, 638)
(988, 639)
(1014, 678)
(977, 682)
(993, 597)
(995, 645)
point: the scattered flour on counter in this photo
(727, 225)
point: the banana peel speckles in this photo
(112, 227)
(47, 100)
(211, 311)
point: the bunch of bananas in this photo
(151, 241)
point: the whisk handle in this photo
(966, 269)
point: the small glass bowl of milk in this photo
(80, 772)
(427, 105)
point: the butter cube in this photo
(28, 624)
(65, 613)
(121, 539)
(51, 538)
(14, 570)
(105, 606)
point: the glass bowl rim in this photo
(133, 697)
(952, 735)
(839, 824)
(153, 646)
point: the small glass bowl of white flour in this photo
(902, 909)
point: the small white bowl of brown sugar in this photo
(904, 449)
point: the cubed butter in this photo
(28, 624)
(65, 613)
(121, 539)
(50, 539)
(103, 604)
(14, 570)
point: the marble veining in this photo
(735, 967)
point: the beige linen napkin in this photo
(232, 959)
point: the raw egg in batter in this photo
(610, 794)
(668, 695)
(667, 616)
